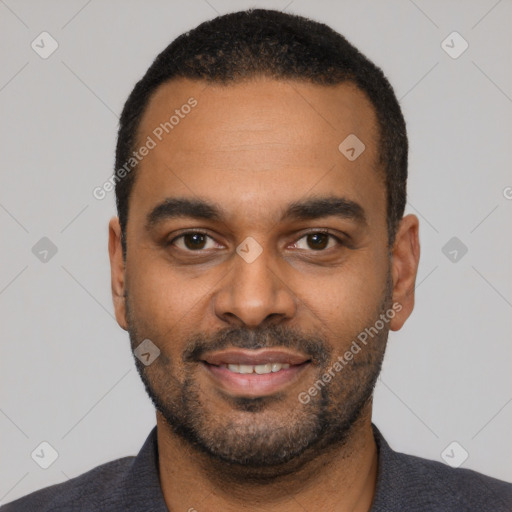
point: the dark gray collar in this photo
(141, 488)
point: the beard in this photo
(270, 435)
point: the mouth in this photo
(254, 373)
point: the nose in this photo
(254, 293)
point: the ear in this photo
(117, 271)
(404, 267)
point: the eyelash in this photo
(338, 240)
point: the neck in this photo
(337, 478)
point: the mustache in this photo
(316, 347)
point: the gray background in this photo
(67, 375)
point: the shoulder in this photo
(415, 484)
(93, 490)
(445, 488)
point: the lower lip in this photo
(253, 384)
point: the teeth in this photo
(258, 368)
(263, 368)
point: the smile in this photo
(253, 373)
(260, 369)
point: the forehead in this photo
(261, 142)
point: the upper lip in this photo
(254, 357)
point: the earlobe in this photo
(405, 261)
(117, 271)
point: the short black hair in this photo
(259, 42)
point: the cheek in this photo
(166, 302)
(153, 293)
(347, 298)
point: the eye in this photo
(317, 241)
(193, 241)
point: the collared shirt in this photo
(404, 482)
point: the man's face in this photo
(262, 272)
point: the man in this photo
(259, 260)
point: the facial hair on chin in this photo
(303, 433)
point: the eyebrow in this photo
(308, 209)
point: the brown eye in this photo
(318, 241)
(193, 241)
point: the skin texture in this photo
(252, 148)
